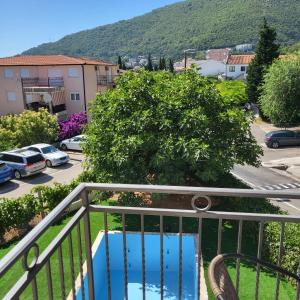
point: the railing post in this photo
(88, 245)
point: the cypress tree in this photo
(267, 50)
(120, 62)
(149, 65)
(160, 64)
(163, 64)
(171, 65)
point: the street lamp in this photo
(185, 55)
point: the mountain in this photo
(199, 24)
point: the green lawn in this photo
(247, 283)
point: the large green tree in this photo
(266, 51)
(158, 127)
(280, 99)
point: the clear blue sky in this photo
(28, 23)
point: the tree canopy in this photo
(280, 99)
(27, 128)
(266, 51)
(157, 127)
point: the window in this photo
(24, 73)
(11, 96)
(29, 98)
(231, 68)
(8, 73)
(75, 96)
(243, 69)
(73, 72)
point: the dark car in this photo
(275, 139)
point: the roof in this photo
(49, 60)
(217, 54)
(240, 59)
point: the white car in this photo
(52, 155)
(73, 143)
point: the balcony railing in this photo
(42, 82)
(106, 80)
(85, 285)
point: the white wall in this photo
(211, 67)
(238, 72)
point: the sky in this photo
(28, 23)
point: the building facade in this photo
(237, 65)
(62, 84)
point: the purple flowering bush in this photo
(72, 126)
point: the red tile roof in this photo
(49, 60)
(240, 59)
(217, 54)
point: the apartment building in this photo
(62, 84)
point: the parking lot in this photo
(62, 174)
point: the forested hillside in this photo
(167, 31)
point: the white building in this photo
(237, 66)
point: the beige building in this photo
(62, 84)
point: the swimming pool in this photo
(152, 266)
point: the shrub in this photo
(72, 126)
(27, 128)
(290, 259)
(131, 200)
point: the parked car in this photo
(73, 143)
(275, 139)
(6, 172)
(23, 162)
(52, 155)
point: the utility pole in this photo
(185, 55)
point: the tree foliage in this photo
(149, 65)
(267, 50)
(27, 128)
(169, 129)
(281, 91)
(196, 24)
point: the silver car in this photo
(52, 155)
(73, 143)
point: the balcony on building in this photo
(48, 93)
(106, 80)
(155, 253)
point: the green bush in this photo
(16, 213)
(290, 259)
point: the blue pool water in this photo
(152, 267)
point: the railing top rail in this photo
(187, 190)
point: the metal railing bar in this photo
(61, 272)
(298, 284)
(260, 242)
(125, 256)
(71, 258)
(279, 259)
(219, 236)
(199, 255)
(107, 256)
(195, 214)
(143, 256)
(161, 232)
(25, 279)
(34, 288)
(49, 280)
(11, 257)
(88, 245)
(180, 260)
(202, 191)
(79, 246)
(239, 249)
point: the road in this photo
(266, 179)
(61, 174)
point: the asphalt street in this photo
(61, 174)
(266, 179)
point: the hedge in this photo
(17, 213)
